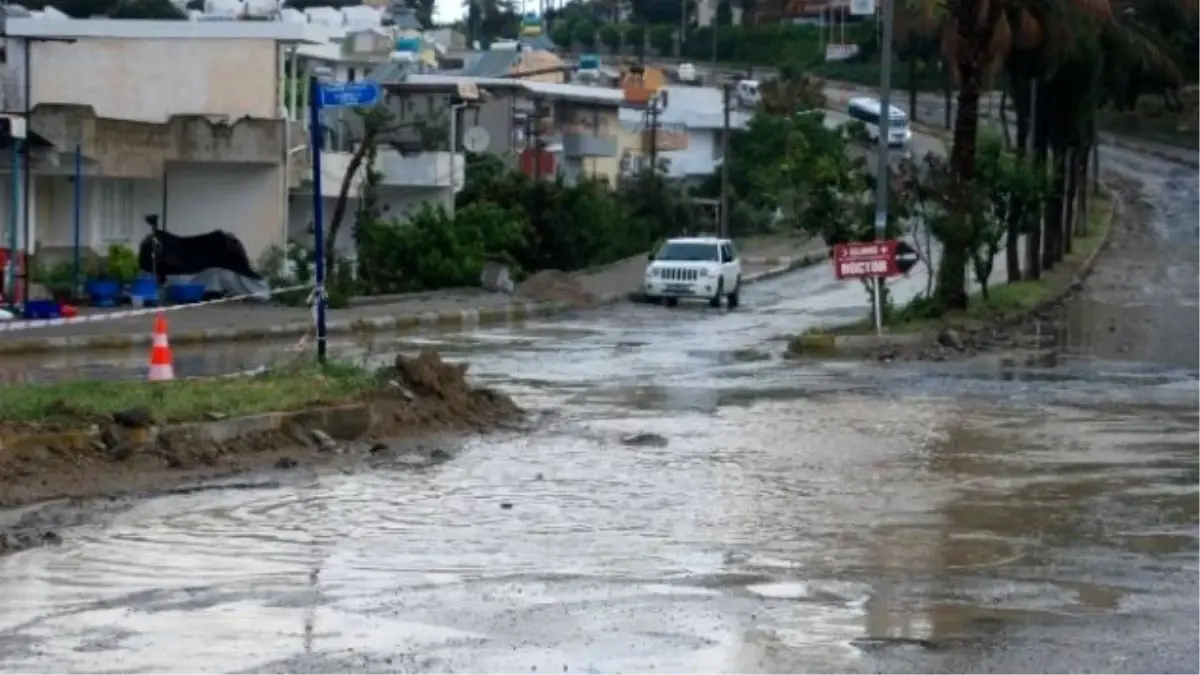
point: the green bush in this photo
(433, 249)
(122, 264)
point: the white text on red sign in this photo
(855, 268)
(865, 251)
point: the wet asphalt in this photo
(987, 516)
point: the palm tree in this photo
(1068, 61)
(1064, 60)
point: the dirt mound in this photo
(439, 395)
(556, 286)
(416, 396)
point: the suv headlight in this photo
(653, 272)
(704, 272)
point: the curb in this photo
(460, 319)
(448, 320)
(831, 344)
(346, 422)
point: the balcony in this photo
(428, 169)
(588, 144)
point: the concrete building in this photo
(188, 120)
(690, 127)
(577, 124)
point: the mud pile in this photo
(556, 286)
(438, 395)
(132, 453)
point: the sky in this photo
(447, 11)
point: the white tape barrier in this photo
(16, 325)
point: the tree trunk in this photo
(1004, 118)
(339, 207)
(948, 92)
(1053, 251)
(1015, 224)
(974, 40)
(1081, 212)
(1069, 205)
(912, 83)
(1033, 241)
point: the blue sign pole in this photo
(314, 129)
(333, 95)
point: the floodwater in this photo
(993, 516)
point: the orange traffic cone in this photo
(161, 368)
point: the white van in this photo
(747, 93)
(866, 110)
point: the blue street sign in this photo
(350, 94)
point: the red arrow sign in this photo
(865, 259)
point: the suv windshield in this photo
(688, 252)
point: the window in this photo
(112, 210)
(679, 251)
(864, 116)
(726, 253)
(899, 121)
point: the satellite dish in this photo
(476, 139)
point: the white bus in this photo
(866, 110)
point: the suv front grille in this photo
(679, 274)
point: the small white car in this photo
(705, 268)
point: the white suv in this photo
(694, 267)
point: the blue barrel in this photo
(408, 44)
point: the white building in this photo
(191, 120)
(695, 116)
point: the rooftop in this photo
(571, 92)
(690, 108)
(153, 29)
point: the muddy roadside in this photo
(1043, 332)
(68, 475)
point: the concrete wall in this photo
(397, 202)
(246, 200)
(243, 199)
(132, 149)
(151, 80)
(495, 115)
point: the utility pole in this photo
(726, 92)
(882, 173)
(714, 25)
(652, 112)
(683, 11)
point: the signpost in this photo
(874, 259)
(329, 95)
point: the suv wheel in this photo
(715, 301)
(735, 296)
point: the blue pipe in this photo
(14, 216)
(78, 279)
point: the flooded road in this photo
(783, 523)
(987, 516)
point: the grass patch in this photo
(78, 403)
(1004, 299)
